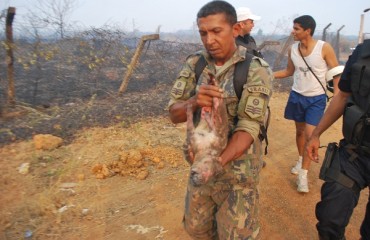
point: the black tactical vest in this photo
(251, 45)
(356, 119)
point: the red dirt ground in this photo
(61, 198)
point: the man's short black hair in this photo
(306, 22)
(216, 7)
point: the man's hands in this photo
(312, 148)
(205, 94)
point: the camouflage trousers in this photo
(226, 208)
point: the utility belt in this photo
(356, 126)
(330, 170)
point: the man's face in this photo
(246, 26)
(299, 33)
(218, 36)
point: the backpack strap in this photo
(199, 67)
(240, 78)
(241, 74)
(309, 68)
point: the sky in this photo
(174, 15)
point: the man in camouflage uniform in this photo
(225, 208)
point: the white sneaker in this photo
(302, 183)
(296, 168)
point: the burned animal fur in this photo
(206, 141)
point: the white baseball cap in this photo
(244, 13)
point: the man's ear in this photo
(309, 30)
(236, 29)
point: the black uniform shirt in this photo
(249, 42)
(345, 80)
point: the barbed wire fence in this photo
(63, 85)
(92, 62)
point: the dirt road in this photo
(61, 198)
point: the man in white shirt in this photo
(308, 61)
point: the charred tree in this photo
(10, 55)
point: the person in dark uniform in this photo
(349, 167)
(246, 20)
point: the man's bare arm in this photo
(240, 141)
(288, 71)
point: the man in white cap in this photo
(246, 19)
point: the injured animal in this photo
(206, 141)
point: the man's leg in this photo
(300, 141)
(199, 218)
(334, 210)
(337, 203)
(300, 136)
(237, 217)
(302, 175)
(295, 110)
(314, 109)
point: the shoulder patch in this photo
(178, 89)
(185, 73)
(260, 89)
(254, 106)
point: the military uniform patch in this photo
(178, 89)
(260, 89)
(254, 106)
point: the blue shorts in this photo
(305, 109)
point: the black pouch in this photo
(353, 124)
(330, 170)
(328, 159)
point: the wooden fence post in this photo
(135, 60)
(10, 55)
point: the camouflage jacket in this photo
(250, 109)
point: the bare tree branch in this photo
(56, 13)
